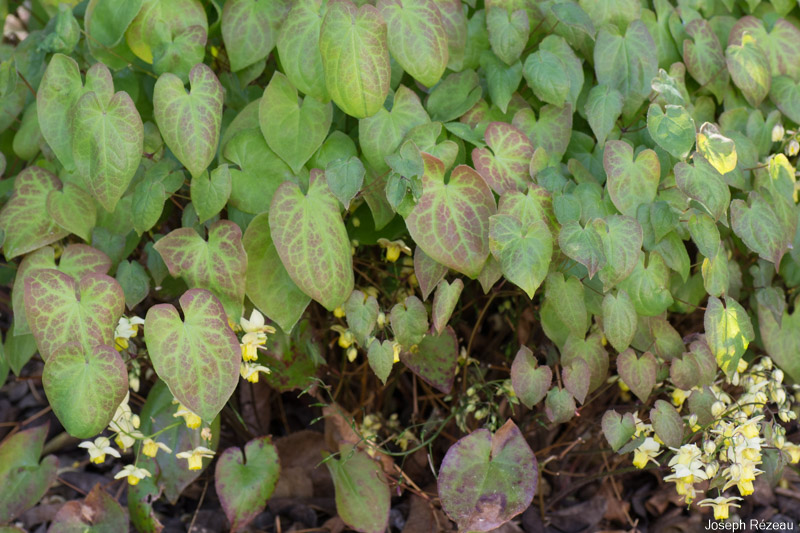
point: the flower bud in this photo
(792, 148)
(777, 375)
(777, 132)
(709, 446)
(717, 408)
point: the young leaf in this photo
(362, 315)
(345, 178)
(444, 302)
(507, 474)
(502, 80)
(530, 381)
(381, 358)
(638, 373)
(24, 219)
(618, 429)
(524, 253)
(435, 360)
(293, 129)
(409, 321)
(704, 184)
(210, 192)
(197, 357)
(673, 129)
(312, 242)
(451, 221)
(504, 165)
(134, 281)
(667, 424)
(631, 183)
(190, 123)
(218, 265)
(559, 406)
(355, 57)
(245, 480)
(362, 493)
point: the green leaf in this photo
(573, 66)
(648, 286)
(444, 302)
(547, 76)
(571, 308)
(780, 339)
(728, 332)
(409, 321)
(508, 32)
(505, 163)
(631, 183)
(149, 195)
(197, 357)
(73, 210)
(190, 123)
(109, 20)
(24, 219)
(381, 134)
(218, 265)
(559, 406)
(571, 14)
(550, 132)
(530, 381)
(455, 27)
(622, 244)
(583, 245)
(502, 80)
(134, 281)
(84, 386)
(785, 93)
(381, 358)
(245, 480)
(362, 315)
(435, 360)
(417, 38)
(98, 512)
(719, 151)
(249, 29)
(507, 473)
(298, 48)
(673, 129)
(576, 376)
(780, 44)
(749, 69)
(697, 367)
(639, 374)
(61, 87)
(362, 492)
(704, 184)
(427, 271)
(765, 223)
(590, 350)
(618, 429)
(355, 58)
(210, 192)
(24, 479)
(293, 129)
(312, 242)
(18, 349)
(603, 108)
(345, 178)
(61, 310)
(704, 58)
(626, 63)
(667, 424)
(465, 202)
(524, 252)
(619, 319)
(454, 96)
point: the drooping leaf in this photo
(355, 57)
(631, 182)
(312, 242)
(571, 306)
(293, 129)
(451, 220)
(590, 350)
(435, 360)
(697, 367)
(197, 356)
(505, 163)
(749, 69)
(704, 57)
(381, 358)
(530, 381)
(24, 478)
(507, 474)
(362, 492)
(427, 271)
(728, 331)
(24, 219)
(218, 265)
(524, 252)
(766, 223)
(444, 302)
(780, 339)
(190, 122)
(245, 479)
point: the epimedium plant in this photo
(617, 167)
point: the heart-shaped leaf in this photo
(210, 192)
(190, 123)
(559, 406)
(667, 424)
(355, 57)
(99, 511)
(704, 184)
(780, 44)
(24, 478)
(508, 31)
(293, 129)
(451, 221)
(416, 38)
(622, 244)
(24, 219)
(631, 183)
(298, 48)
(749, 68)
(728, 331)
(245, 480)
(218, 265)
(134, 281)
(524, 252)
(312, 242)
(673, 129)
(618, 429)
(576, 376)
(501, 79)
(505, 166)
(345, 178)
(73, 209)
(781, 340)
(551, 132)
(381, 358)
(427, 271)
(507, 473)
(435, 360)
(249, 29)
(530, 381)
(639, 374)
(61, 310)
(766, 223)
(785, 93)
(85, 387)
(583, 245)
(108, 138)
(696, 368)
(409, 321)
(590, 350)
(362, 315)
(268, 284)
(719, 151)
(547, 76)
(648, 286)
(603, 108)
(619, 319)
(444, 302)
(197, 357)
(571, 306)
(704, 57)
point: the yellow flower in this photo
(255, 324)
(720, 505)
(394, 248)
(794, 452)
(339, 312)
(192, 420)
(396, 348)
(151, 447)
(678, 397)
(249, 352)
(98, 449)
(352, 353)
(195, 457)
(346, 339)
(250, 371)
(127, 328)
(742, 475)
(646, 452)
(133, 474)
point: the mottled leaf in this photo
(409, 321)
(508, 31)
(249, 29)
(728, 332)
(583, 245)
(559, 406)
(766, 223)
(73, 210)
(749, 69)
(638, 373)
(530, 381)
(576, 376)
(444, 302)
(631, 182)
(98, 512)
(704, 58)
(704, 184)
(719, 151)
(590, 350)
(505, 163)
(667, 424)
(362, 312)
(427, 271)
(298, 48)
(618, 429)
(435, 360)
(524, 252)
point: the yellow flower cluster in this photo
(255, 336)
(127, 328)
